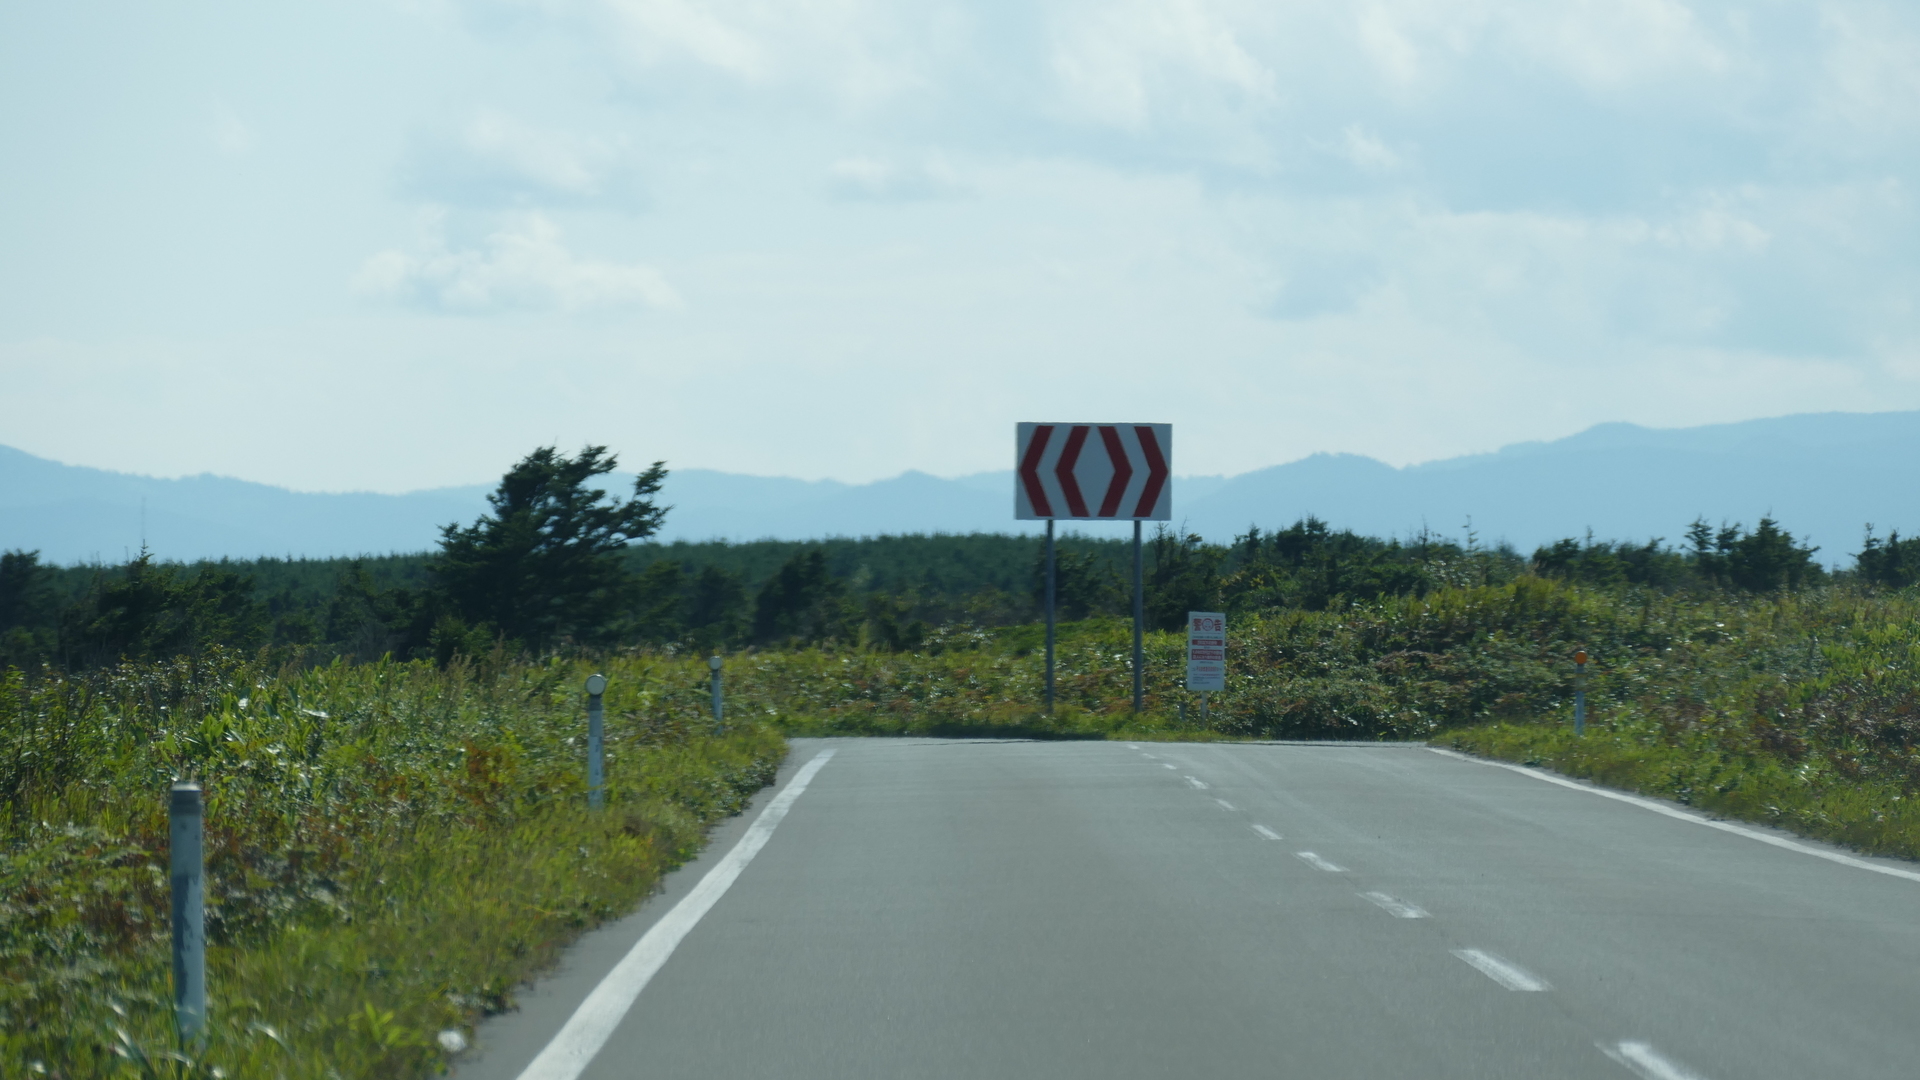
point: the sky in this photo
(395, 244)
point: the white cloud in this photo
(523, 266)
(1117, 61)
(1714, 229)
(1368, 153)
(499, 159)
(856, 51)
(230, 134)
(1609, 44)
(882, 180)
(1872, 70)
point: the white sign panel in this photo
(1114, 472)
(1206, 650)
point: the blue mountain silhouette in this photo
(1824, 476)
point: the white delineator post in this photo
(1206, 654)
(188, 878)
(719, 706)
(596, 742)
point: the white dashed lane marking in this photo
(1504, 972)
(1648, 1063)
(1397, 908)
(1319, 863)
(1266, 832)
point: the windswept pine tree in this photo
(548, 564)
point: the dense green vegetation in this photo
(371, 731)
(391, 848)
(560, 566)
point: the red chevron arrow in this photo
(1122, 471)
(1030, 470)
(1156, 471)
(1069, 457)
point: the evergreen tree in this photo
(660, 603)
(152, 611)
(716, 609)
(1084, 583)
(1182, 575)
(28, 608)
(1765, 560)
(1892, 561)
(802, 603)
(548, 564)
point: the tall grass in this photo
(1394, 669)
(1800, 709)
(391, 850)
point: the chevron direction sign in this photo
(1113, 472)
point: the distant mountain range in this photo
(1824, 476)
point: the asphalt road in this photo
(1017, 909)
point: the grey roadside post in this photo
(596, 742)
(1580, 692)
(719, 708)
(1139, 618)
(184, 820)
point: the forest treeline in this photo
(559, 563)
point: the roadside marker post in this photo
(1095, 472)
(1206, 654)
(1580, 692)
(186, 855)
(596, 742)
(719, 707)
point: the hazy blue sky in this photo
(390, 245)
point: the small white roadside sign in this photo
(1206, 650)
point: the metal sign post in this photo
(1139, 621)
(1050, 616)
(596, 740)
(1095, 472)
(1580, 692)
(188, 874)
(1206, 654)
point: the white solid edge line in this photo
(1658, 808)
(1224, 804)
(1647, 1063)
(1268, 833)
(1502, 971)
(1319, 863)
(588, 1029)
(1395, 906)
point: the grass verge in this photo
(1878, 817)
(391, 851)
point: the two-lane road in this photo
(1016, 909)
